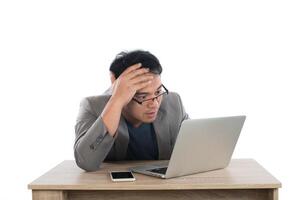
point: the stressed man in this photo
(137, 118)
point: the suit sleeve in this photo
(92, 141)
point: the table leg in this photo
(273, 194)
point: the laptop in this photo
(201, 145)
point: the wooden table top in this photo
(240, 174)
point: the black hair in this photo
(125, 59)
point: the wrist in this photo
(116, 103)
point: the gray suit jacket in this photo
(93, 144)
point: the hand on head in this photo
(131, 80)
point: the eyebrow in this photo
(142, 93)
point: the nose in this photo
(153, 103)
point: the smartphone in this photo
(121, 176)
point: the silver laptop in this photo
(201, 145)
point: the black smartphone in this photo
(121, 176)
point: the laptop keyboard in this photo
(161, 170)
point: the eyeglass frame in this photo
(141, 102)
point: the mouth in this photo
(151, 114)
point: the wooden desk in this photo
(242, 179)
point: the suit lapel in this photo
(161, 127)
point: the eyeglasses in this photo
(163, 91)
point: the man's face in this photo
(146, 112)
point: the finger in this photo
(132, 68)
(141, 78)
(142, 85)
(137, 72)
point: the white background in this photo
(223, 57)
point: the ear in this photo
(112, 77)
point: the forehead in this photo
(152, 87)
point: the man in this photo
(136, 119)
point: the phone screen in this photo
(121, 175)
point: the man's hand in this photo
(132, 79)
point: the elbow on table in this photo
(89, 166)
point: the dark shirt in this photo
(142, 143)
